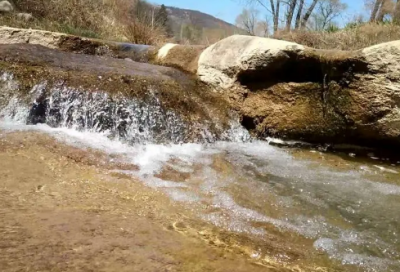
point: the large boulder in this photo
(377, 92)
(223, 63)
(285, 90)
(6, 6)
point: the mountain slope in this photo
(196, 26)
(197, 18)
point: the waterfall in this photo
(132, 120)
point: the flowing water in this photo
(349, 209)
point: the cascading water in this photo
(127, 119)
(351, 214)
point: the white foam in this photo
(384, 169)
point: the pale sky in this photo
(227, 10)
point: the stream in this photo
(347, 207)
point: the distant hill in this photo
(197, 26)
(194, 17)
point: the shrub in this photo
(141, 33)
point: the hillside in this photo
(197, 26)
(197, 18)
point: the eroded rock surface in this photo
(290, 91)
(135, 101)
(279, 89)
(183, 57)
(70, 43)
(223, 63)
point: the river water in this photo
(345, 208)
(350, 212)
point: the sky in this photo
(227, 10)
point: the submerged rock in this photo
(286, 90)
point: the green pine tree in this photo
(162, 19)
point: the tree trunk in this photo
(375, 10)
(382, 12)
(298, 16)
(396, 14)
(289, 18)
(276, 15)
(381, 15)
(308, 13)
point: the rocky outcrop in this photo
(9, 35)
(6, 6)
(80, 45)
(223, 63)
(132, 100)
(279, 89)
(182, 57)
(286, 90)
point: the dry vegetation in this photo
(352, 38)
(107, 19)
(319, 23)
(136, 21)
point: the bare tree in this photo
(387, 8)
(273, 7)
(379, 9)
(299, 13)
(290, 13)
(247, 20)
(276, 12)
(396, 13)
(250, 22)
(376, 7)
(326, 12)
(308, 13)
(262, 28)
